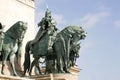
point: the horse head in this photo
(77, 34)
(82, 34)
(22, 27)
(17, 31)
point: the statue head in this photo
(48, 13)
(48, 17)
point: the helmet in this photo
(47, 13)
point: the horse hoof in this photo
(67, 71)
(23, 75)
(15, 75)
(61, 71)
(29, 74)
(2, 73)
(40, 73)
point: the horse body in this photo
(12, 44)
(40, 48)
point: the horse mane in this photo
(13, 29)
(71, 29)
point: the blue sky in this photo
(100, 51)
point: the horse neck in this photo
(13, 35)
(10, 34)
(65, 33)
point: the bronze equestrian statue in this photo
(12, 44)
(53, 45)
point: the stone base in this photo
(8, 70)
(73, 75)
(63, 76)
(5, 77)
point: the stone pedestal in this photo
(5, 77)
(63, 76)
(73, 75)
(8, 70)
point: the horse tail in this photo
(27, 57)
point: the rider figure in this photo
(1, 36)
(47, 24)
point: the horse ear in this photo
(26, 25)
(20, 23)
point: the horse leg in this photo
(38, 67)
(65, 68)
(33, 63)
(59, 64)
(66, 57)
(4, 59)
(24, 71)
(12, 56)
(57, 47)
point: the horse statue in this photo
(38, 49)
(60, 50)
(71, 34)
(12, 44)
(63, 48)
